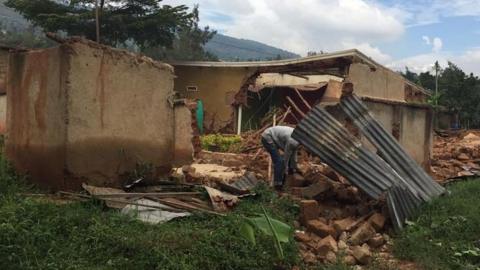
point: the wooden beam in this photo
(303, 99)
(295, 106)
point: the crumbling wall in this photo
(184, 133)
(36, 114)
(3, 69)
(216, 87)
(83, 112)
(3, 113)
(118, 113)
(411, 126)
(3, 90)
(379, 83)
(416, 135)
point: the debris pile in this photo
(337, 221)
(162, 202)
(456, 155)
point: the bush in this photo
(221, 143)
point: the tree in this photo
(188, 43)
(22, 38)
(411, 76)
(146, 22)
(426, 80)
(457, 91)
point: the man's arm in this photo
(291, 155)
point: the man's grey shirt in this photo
(281, 136)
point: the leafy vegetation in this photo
(457, 91)
(446, 233)
(160, 31)
(279, 231)
(23, 38)
(221, 143)
(37, 234)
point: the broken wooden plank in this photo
(295, 106)
(84, 196)
(93, 190)
(221, 201)
(183, 205)
(150, 194)
(303, 99)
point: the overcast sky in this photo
(396, 33)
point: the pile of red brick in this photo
(337, 222)
(456, 154)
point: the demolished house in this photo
(365, 121)
(86, 113)
(236, 94)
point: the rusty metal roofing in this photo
(244, 185)
(325, 137)
(354, 55)
(388, 147)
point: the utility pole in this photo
(436, 82)
(97, 21)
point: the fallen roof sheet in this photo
(388, 147)
(324, 136)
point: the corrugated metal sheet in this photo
(325, 137)
(389, 149)
(242, 186)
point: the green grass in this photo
(446, 233)
(86, 235)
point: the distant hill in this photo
(224, 47)
(11, 18)
(235, 49)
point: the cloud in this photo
(431, 11)
(419, 63)
(303, 25)
(467, 61)
(426, 39)
(437, 44)
(374, 52)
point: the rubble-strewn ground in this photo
(456, 154)
(336, 225)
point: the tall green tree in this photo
(457, 91)
(409, 75)
(146, 22)
(426, 80)
(188, 43)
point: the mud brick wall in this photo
(82, 112)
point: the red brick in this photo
(326, 245)
(302, 237)
(377, 221)
(343, 224)
(320, 228)
(308, 210)
(362, 234)
(362, 254)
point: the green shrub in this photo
(221, 143)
